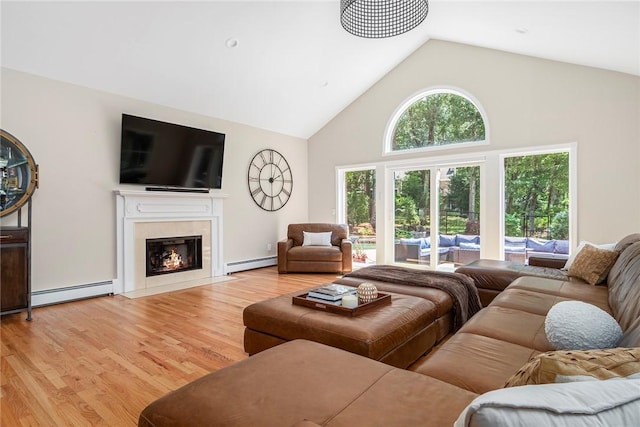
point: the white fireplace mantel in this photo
(133, 207)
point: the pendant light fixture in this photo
(382, 18)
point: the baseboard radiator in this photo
(250, 264)
(71, 293)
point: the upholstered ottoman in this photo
(396, 334)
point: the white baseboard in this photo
(250, 264)
(71, 293)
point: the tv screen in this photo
(169, 155)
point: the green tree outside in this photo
(537, 191)
(361, 201)
(438, 119)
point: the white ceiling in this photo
(294, 68)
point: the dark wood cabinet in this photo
(14, 271)
(18, 181)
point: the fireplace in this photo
(151, 215)
(172, 255)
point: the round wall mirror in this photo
(19, 174)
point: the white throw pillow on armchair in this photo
(316, 239)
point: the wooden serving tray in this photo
(383, 299)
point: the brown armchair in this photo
(293, 257)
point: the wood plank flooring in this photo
(99, 362)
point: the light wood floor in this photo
(101, 361)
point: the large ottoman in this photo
(397, 334)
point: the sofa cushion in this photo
(541, 245)
(592, 264)
(418, 241)
(474, 362)
(601, 403)
(514, 326)
(562, 247)
(631, 336)
(402, 398)
(515, 241)
(465, 238)
(575, 290)
(315, 253)
(470, 246)
(525, 300)
(446, 241)
(624, 289)
(568, 366)
(316, 239)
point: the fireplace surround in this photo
(143, 215)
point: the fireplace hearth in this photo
(174, 254)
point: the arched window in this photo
(436, 118)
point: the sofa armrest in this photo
(547, 261)
(346, 247)
(283, 248)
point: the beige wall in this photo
(74, 135)
(529, 102)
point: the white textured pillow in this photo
(585, 404)
(607, 246)
(576, 325)
(316, 239)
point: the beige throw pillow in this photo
(592, 264)
(580, 365)
(574, 253)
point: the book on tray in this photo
(332, 292)
(324, 301)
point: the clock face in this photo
(270, 180)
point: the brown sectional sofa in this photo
(305, 383)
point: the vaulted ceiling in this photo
(286, 66)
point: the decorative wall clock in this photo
(270, 180)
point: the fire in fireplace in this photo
(173, 254)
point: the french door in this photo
(436, 215)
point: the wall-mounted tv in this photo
(168, 155)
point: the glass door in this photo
(436, 216)
(360, 213)
(412, 216)
(459, 218)
(536, 206)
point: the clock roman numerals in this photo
(270, 180)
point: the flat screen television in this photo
(169, 156)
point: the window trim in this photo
(433, 90)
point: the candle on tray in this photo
(350, 301)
